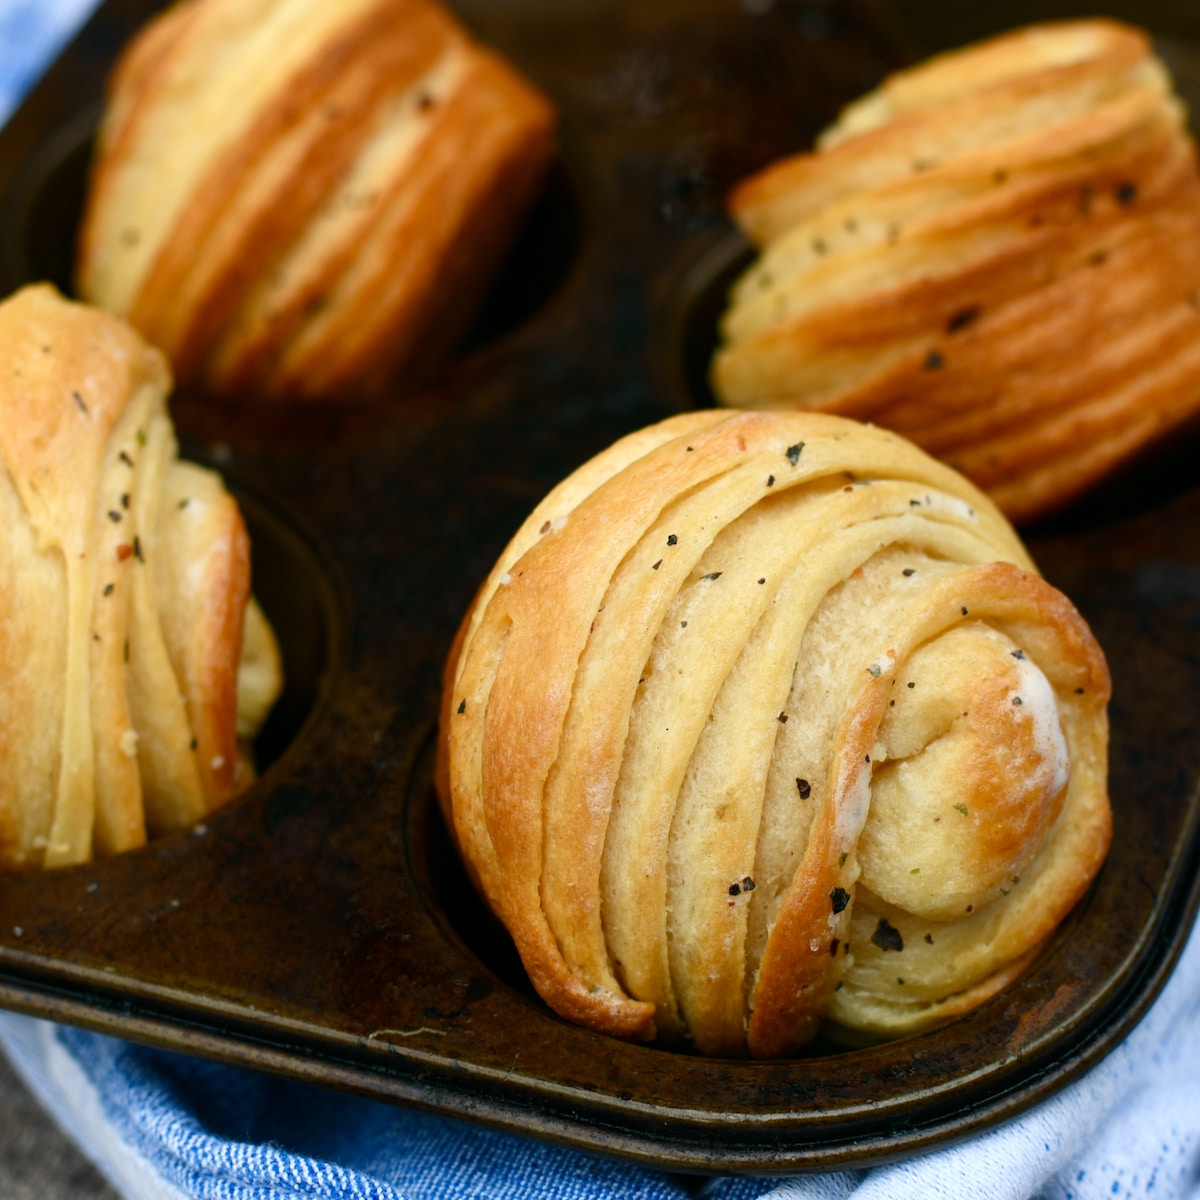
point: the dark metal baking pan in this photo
(320, 926)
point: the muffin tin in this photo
(320, 926)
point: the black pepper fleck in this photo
(804, 788)
(838, 899)
(887, 936)
(793, 453)
(961, 319)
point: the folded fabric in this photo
(162, 1126)
(31, 34)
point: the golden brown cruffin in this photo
(297, 199)
(996, 254)
(763, 719)
(131, 651)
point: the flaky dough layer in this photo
(302, 200)
(997, 254)
(763, 719)
(130, 646)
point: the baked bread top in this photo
(764, 719)
(126, 616)
(997, 254)
(302, 200)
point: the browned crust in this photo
(1037, 326)
(87, 448)
(380, 54)
(542, 689)
(393, 288)
(422, 264)
(836, 171)
(798, 972)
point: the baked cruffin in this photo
(131, 651)
(996, 254)
(302, 200)
(764, 720)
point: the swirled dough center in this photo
(971, 770)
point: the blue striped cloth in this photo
(165, 1127)
(31, 34)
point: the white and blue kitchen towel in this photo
(165, 1127)
(31, 33)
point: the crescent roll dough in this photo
(129, 644)
(764, 719)
(996, 254)
(297, 199)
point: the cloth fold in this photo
(162, 1126)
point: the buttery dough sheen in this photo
(132, 655)
(767, 719)
(997, 254)
(297, 199)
